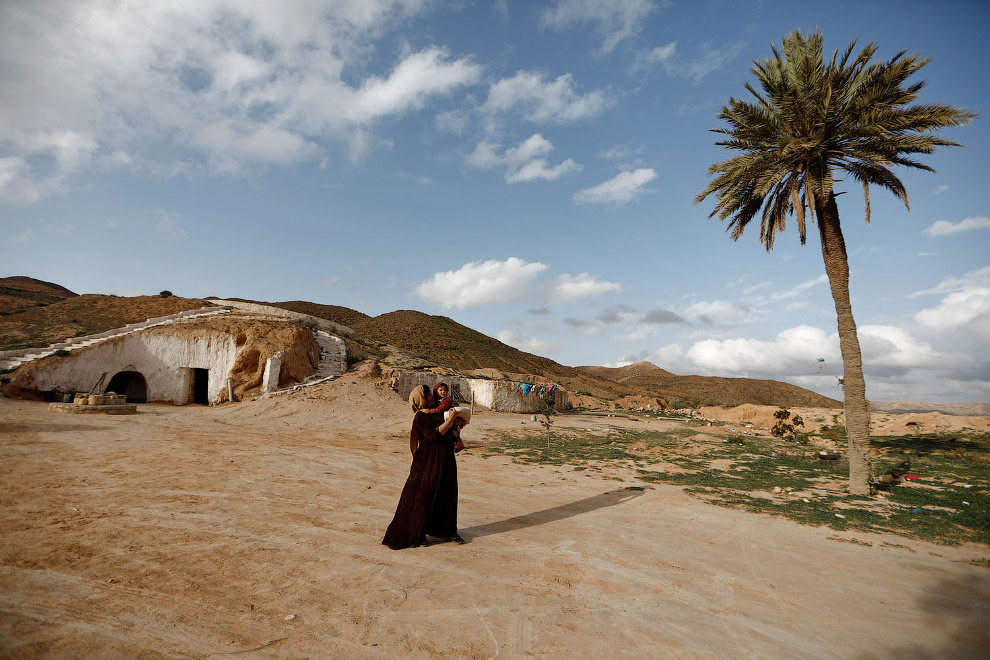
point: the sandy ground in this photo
(253, 530)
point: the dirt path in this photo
(195, 532)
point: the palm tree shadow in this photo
(959, 604)
(611, 498)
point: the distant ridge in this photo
(420, 339)
(711, 390)
(963, 408)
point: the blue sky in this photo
(526, 168)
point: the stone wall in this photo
(497, 395)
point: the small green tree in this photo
(165, 294)
(783, 428)
(546, 402)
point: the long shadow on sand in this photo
(611, 498)
(959, 604)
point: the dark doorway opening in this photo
(131, 384)
(201, 386)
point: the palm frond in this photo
(808, 117)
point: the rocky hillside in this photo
(41, 313)
(22, 292)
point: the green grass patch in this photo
(949, 504)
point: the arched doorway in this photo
(130, 383)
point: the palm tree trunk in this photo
(854, 386)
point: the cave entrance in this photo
(131, 384)
(201, 386)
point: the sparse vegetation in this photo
(547, 403)
(784, 428)
(949, 504)
(61, 353)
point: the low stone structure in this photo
(106, 409)
(497, 395)
(146, 366)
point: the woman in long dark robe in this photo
(428, 504)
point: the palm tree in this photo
(814, 121)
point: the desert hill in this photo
(445, 342)
(707, 390)
(336, 313)
(20, 292)
(43, 323)
(403, 339)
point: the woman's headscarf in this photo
(419, 397)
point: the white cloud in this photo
(791, 351)
(718, 312)
(940, 189)
(978, 279)
(622, 152)
(516, 339)
(946, 228)
(567, 288)
(638, 333)
(799, 288)
(539, 170)
(885, 346)
(541, 100)
(618, 190)
(757, 287)
(452, 121)
(212, 85)
(522, 163)
(616, 20)
(417, 77)
(481, 283)
(888, 351)
(44, 162)
(167, 222)
(967, 310)
(707, 59)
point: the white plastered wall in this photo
(498, 395)
(163, 360)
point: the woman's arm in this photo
(446, 425)
(425, 431)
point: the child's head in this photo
(440, 390)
